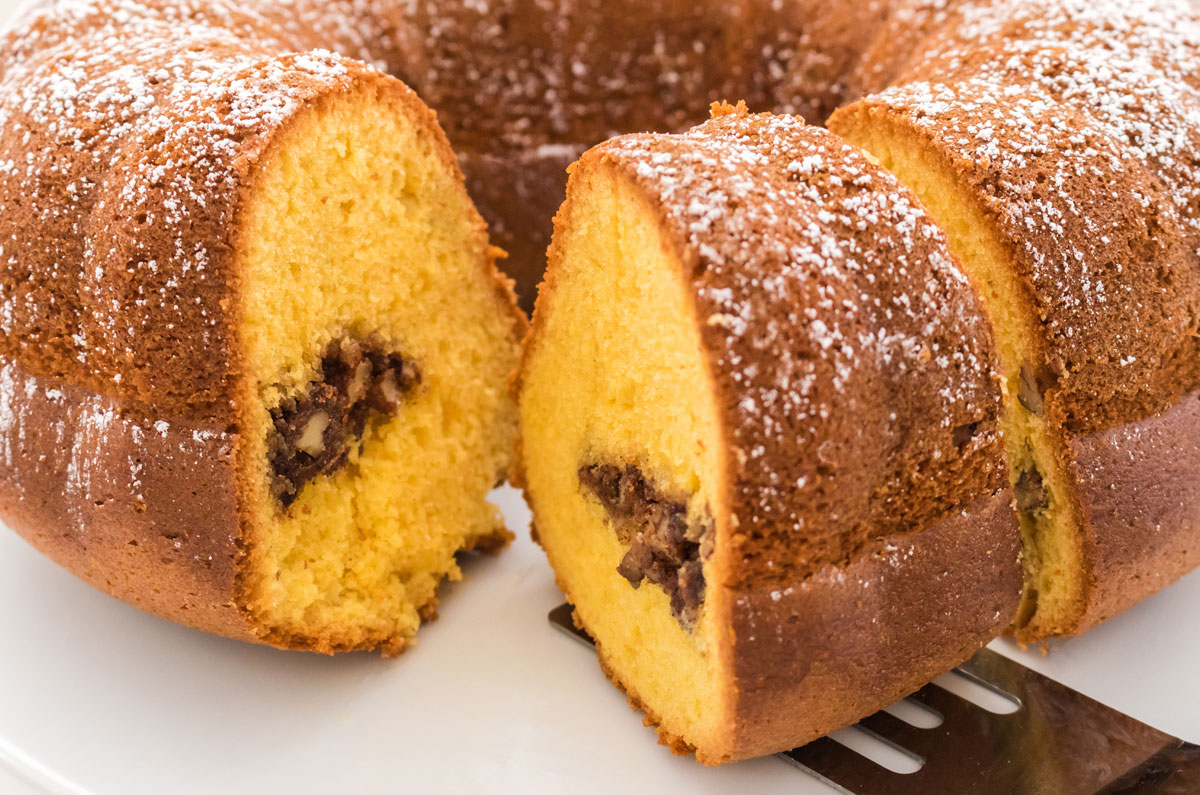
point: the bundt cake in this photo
(759, 419)
(253, 350)
(255, 353)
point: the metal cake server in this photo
(1057, 742)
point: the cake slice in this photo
(263, 390)
(1041, 466)
(759, 416)
(1056, 148)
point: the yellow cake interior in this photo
(615, 374)
(359, 226)
(1052, 542)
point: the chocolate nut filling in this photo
(1031, 492)
(664, 547)
(313, 431)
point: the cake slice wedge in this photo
(271, 409)
(1057, 150)
(759, 421)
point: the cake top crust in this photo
(129, 124)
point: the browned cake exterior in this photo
(851, 359)
(1077, 125)
(100, 493)
(869, 542)
(132, 138)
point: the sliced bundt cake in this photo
(253, 374)
(759, 425)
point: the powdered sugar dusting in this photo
(1079, 121)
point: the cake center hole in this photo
(663, 546)
(312, 432)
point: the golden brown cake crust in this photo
(858, 637)
(1140, 488)
(1049, 110)
(119, 266)
(142, 509)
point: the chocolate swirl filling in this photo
(664, 548)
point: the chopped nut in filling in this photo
(313, 431)
(1031, 492)
(664, 547)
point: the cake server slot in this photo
(1056, 742)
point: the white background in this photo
(97, 697)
